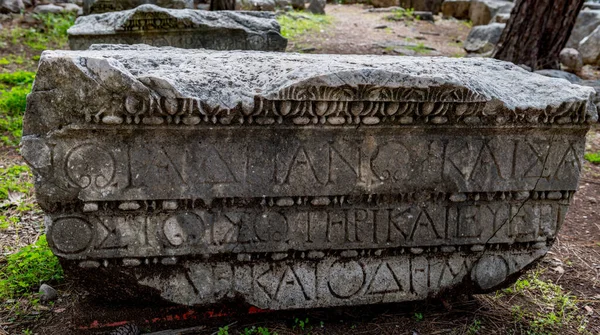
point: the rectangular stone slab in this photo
(182, 28)
(293, 181)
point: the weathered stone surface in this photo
(259, 5)
(220, 30)
(104, 6)
(571, 59)
(11, 6)
(296, 181)
(298, 4)
(434, 6)
(385, 3)
(572, 78)
(482, 39)
(501, 18)
(481, 12)
(50, 8)
(458, 9)
(317, 6)
(587, 21)
(590, 47)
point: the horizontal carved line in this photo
(313, 201)
(315, 255)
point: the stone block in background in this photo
(299, 181)
(103, 6)
(11, 6)
(192, 29)
(433, 6)
(458, 9)
(587, 21)
(481, 12)
(483, 39)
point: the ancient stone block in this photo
(104, 6)
(297, 181)
(191, 29)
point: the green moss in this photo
(29, 267)
(295, 24)
(593, 157)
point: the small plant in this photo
(300, 324)
(419, 317)
(474, 328)
(223, 331)
(402, 14)
(419, 48)
(548, 308)
(26, 269)
(593, 157)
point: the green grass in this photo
(51, 32)
(593, 157)
(418, 48)
(12, 107)
(27, 269)
(402, 14)
(295, 24)
(15, 178)
(544, 306)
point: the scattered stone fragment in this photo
(572, 78)
(46, 9)
(104, 6)
(481, 12)
(590, 47)
(423, 16)
(483, 39)
(501, 18)
(47, 293)
(433, 6)
(266, 177)
(385, 9)
(11, 6)
(595, 84)
(257, 5)
(571, 59)
(298, 4)
(591, 5)
(317, 6)
(458, 9)
(185, 28)
(587, 21)
(385, 3)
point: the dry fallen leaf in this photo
(15, 197)
(589, 309)
(559, 269)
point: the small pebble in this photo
(47, 293)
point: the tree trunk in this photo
(222, 4)
(537, 31)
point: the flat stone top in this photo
(238, 80)
(154, 18)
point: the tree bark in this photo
(222, 4)
(537, 31)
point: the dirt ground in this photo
(354, 30)
(573, 263)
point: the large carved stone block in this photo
(182, 28)
(296, 181)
